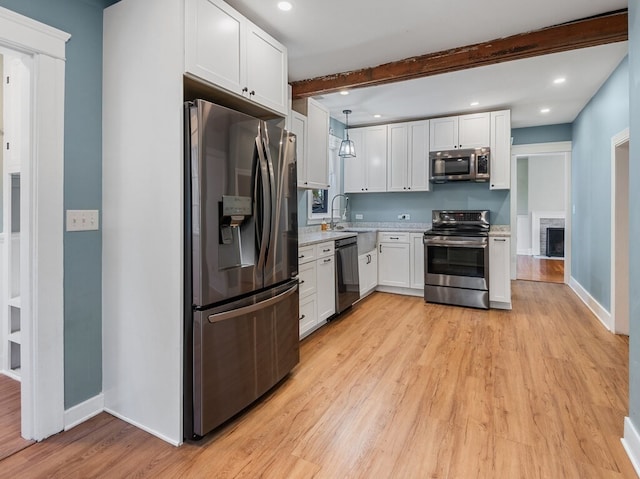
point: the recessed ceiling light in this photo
(474, 103)
(545, 110)
(344, 92)
(559, 81)
(285, 6)
(377, 116)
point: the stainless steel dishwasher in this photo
(347, 281)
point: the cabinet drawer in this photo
(307, 279)
(306, 254)
(393, 237)
(325, 249)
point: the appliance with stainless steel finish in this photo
(347, 279)
(460, 165)
(241, 266)
(456, 258)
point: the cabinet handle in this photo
(328, 260)
(499, 239)
(381, 248)
(326, 250)
(394, 237)
(245, 90)
(252, 92)
(368, 259)
(301, 256)
(301, 281)
(302, 317)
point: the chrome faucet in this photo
(332, 224)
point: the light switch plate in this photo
(83, 220)
(359, 216)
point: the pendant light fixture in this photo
(347, 148)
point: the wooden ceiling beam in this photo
(588, 32)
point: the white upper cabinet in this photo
(367, 172)
(298, 126)
(408, 156)
(500, 169)
(225, 49)
(313, 164)
(465, 131)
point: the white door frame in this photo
(619, 296)
(41, 242)
(536, 149)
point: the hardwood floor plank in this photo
(10, 427)
(398, 388)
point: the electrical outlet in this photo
(82, 220)
(404, 216)
(359, 216)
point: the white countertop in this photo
(500, 230)
(306, 239)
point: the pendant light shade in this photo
(347, 148)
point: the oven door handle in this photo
(456, 244)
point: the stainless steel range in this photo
(456, 257)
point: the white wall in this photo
(546, 183)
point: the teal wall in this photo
(82, 186)
(606, 114)
(542, 134)
(634, 220)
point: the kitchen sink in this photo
(367, 239)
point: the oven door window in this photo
(453, 261)
(457, 166)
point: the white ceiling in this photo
(330, 36)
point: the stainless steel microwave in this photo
(459, 165)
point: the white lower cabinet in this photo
(394, 260)
(316, 278)
(326, 290)
(499, 272)
(368, 272)
(417, 261)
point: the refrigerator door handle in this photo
(263, 168)
(272, 193)
(234, 313)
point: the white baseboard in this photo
(144, 428)
(631, 443)
(596, 308)
(83, 411)
(398, 290)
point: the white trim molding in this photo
(596, 308)
(83, 411)
(631, 443)
(620, 234)
(41, 178)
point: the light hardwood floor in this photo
(540, 269)
(402, 389)
(10, 440)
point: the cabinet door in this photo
(354, 167)
(393, 264)
(417, 261)
(307, 279)
(372, 275)
(363, 266)
(443, 133)
(500, 168)
(473, 130)
(299, 128)
(375, 140)
(418, 160)
(326, 288)
(397, 157)
(317, 145)
(266, 63)
(208, 25)
(308, 314)
(499, 270)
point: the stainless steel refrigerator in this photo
(241, 242)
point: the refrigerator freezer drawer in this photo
(241, 353)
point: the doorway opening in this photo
(620, 233)
(540, 212)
